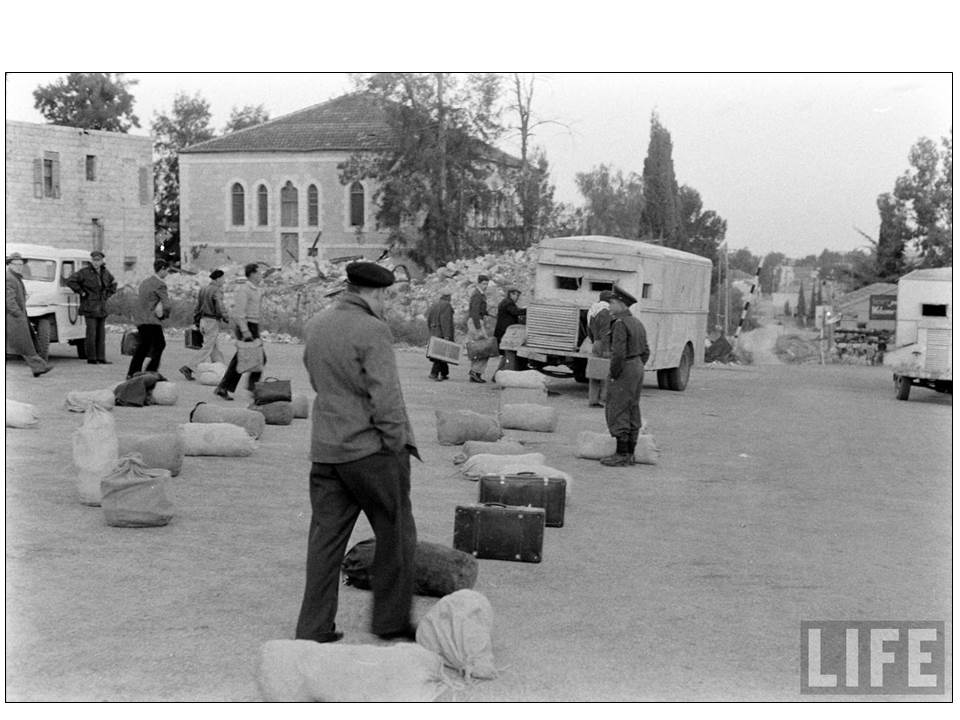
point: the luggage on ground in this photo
(301, 406)
(133, 495)
(223, 439)
(305, 671)
(20, 415)
(498, 532)
(165, 393)
(209, 373)
(488, 464)
(80, 400)
(271, 390)
(95, 452)
(594, 446)
(138, 390)
(521, 379)
(538, 418)
(455, 427)
(192, 339)
(440, 570)
(459, 628)
(478, 447)
(522, 396)
(526, 490)
(251, 421)
(161, 450)
(275, 413)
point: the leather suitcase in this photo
(527, 490)
(192, 339)
(499, 532)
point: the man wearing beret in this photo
(628, 353)
(17, 324)
(94, 284)
(207, 316)
(361, 443)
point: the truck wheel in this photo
(678, 377)
(902, 385)
(44, 333)
(663, 379)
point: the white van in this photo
(672, 290)
(53, 308)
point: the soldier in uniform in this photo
(628, 353)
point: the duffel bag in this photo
(439, 570)
(133, 495)
(539, 418)
(275, 413)
(252, 422)
(455, 427)
(223, 439)
(162, 450)
(165, 393)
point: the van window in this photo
(36, 269)
(67, 268)
(647, 290)
(597, 286)
(567, 283)
(933, 310)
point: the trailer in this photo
(924, 336)
(672, 290)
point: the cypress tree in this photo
(660, 219)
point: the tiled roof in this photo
(865, 292)
(348, 123)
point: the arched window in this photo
(356, 205)
(236, 205)
(289, 210)
(313, 206)
(262, 205)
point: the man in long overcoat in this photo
(17, 323)
(440, 324)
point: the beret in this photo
(96, 253)
(14, 256)
(623, 296)
(216, 274)
(607, 295)
(481, 278)
(369, 274)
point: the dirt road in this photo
(783, 493)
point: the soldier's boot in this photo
(632, 446)
(622, 457)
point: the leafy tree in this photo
(247, 116)
(744, 261)
(801, 305)
(768, 278)
(614, 202)
(926, 191)
(436, 176)
(700, 232)
(187, 124)
(660, 219)
(95, 101)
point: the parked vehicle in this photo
(52, 307)
(924, 339)
(672, 289)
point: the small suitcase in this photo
(527, 490)
(444, 350)
(192, 339)
(499, 532)
(598, 368)
(129, 342)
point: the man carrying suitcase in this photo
(440, 324)
(628, 353)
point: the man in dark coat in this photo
(508, 313)
(628, 353)
(17, 323)
(361, 443)
(440, 324)
(153, 305)
(94, 284)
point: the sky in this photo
(793, 161)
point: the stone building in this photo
(75, 188)
(272, 193)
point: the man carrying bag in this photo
(246, 317)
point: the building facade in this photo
(873, 307)
(75, 188)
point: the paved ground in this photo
(783, 493)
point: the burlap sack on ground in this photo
(209, 373)
(455, 427)
(95, 452)
(301, 406)
(440, 570)
(165, 393)
(459, 628)
(275, 413)
(594, 445)
(521, 396)
(305, 671)
(223, 439)
(647, 452)
(161, 450)
(486, 464)
(20, 415)
(251, 421)
(477, 447)
(521, 379)
(133, 495)
(80, 400)
(539, 418)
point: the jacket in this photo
(153, 290)
(359, 408)
(209, 303)
(628, 341)
(478, 309)
(246, 305)
(17, 324)
(440, 319)
(598, 328)
(93, 288)
(508, 313)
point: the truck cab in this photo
(672, 290)
(52, 308)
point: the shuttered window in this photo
(289, 205)
(91, 166)
(356, 204)
(262, 206)
(313, 206)
(236, 205)
(46, 176)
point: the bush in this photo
(797, 349)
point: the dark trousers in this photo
(231, 378)
(151, 343)
(440, 369)
(379, 485)
(95, 343)
(623, 401)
